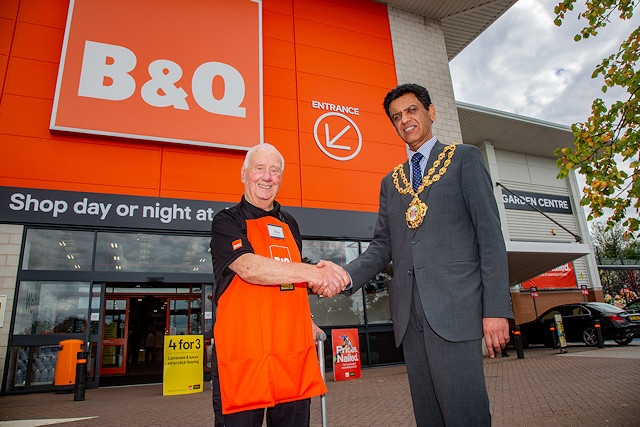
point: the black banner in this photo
(544, 202)
(35, 206)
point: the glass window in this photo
(340, 310)
(195, 317)
(209, 314)
(153, 252)
(340, 253)
(550, 315)
(376, 294)
(58, 250)
(52, 308)
(178, 317)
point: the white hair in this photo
(264, 145)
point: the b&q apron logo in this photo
(186, 71)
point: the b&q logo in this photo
(186, 71)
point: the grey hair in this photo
(264, 145)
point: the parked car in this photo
(578, 322)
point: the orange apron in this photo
(263, 334)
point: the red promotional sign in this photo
(346, 354)
(563, 276)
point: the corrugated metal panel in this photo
(536, 188)
(531, 226)
(580, 266)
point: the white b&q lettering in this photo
(105, 72)
(164, 74)
(105, 75)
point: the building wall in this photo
(521, 172)
(345, 53)
(10, 243)
(421, 57)
(312, 50)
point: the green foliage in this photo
(632, 250)
(613, 242)
(614, 247)
(611, 134)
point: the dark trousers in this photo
(446, 378)
(290, 414)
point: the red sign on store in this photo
(164, 72)
(563, 276)
(346, 354)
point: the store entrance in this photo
(134, 328)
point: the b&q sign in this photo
(186, 71)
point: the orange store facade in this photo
(123, 129)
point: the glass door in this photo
(114, 337)
(185, 316)
(178, 317)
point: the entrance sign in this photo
(183, 364)
(338, 136)
(136, 70)
(346, 354)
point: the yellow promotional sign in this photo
(183, 364)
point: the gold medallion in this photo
(418, 209)
(416, 212)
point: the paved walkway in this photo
(584, 387)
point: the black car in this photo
(578, 322)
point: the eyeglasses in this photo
(260, 170)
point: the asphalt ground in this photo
(583, 387)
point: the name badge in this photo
(275, 231)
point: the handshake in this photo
(329, 279)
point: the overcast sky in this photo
(524, 64)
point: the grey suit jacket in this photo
(457, 255)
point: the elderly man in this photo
(264, 336)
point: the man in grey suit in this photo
(450, 277)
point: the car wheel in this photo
(589, 336)
(623, 341)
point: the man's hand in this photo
(332, 279)
(496, 334)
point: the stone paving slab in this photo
(597, 388)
